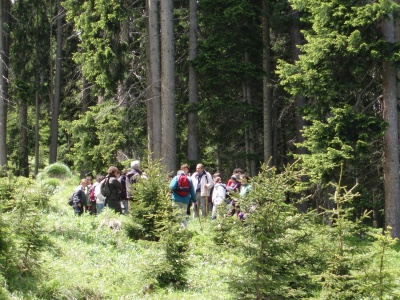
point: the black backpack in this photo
(105, 187)
(73, 199)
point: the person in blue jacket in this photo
(182, 201)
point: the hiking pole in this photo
(198, 214)
(206, 202)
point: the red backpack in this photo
(92, 197)
(183, 186)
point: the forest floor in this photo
(91, 257)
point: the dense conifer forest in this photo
(300, 94)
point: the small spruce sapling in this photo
(338, 280)
(266, 242)
(147, 202)
(171, 267)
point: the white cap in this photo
(135, 164)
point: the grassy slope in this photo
(91, 258)
(86, 259)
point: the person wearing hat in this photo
(132, 177)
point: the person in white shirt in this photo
(202, 182)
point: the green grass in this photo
(86, 258)
(91, 257)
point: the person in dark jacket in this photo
(132, 176)
(113, 200)
(79, 200)
(122, 193)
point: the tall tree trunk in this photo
(149, 108)
(85, 106)
(168, 120)
(4, 50)
(37, 116)
(391, 136)
(193, 153)
(300, 100)
(38, 83)
(154, 79)
(57, 87)
(23, 169)
(249, 133)
(122, 93)
(267, 97)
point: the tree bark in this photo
(193, 153)
(4, 50)
(122, 95)
(168, 120)
(267, 96)
(153, 79)
(57, 87)
(37, 116)
(149, 110)
(23, 169)
(391, 137)
(250, 162)
(39, 77)
(300, 100)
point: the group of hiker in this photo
(200, 191)
(207, 193)
(91, 198)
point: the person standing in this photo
(236, 173)
(232, 189)
(113, 200)
(180, 199)
(100, 199)
(185, 168)
(132, 176)
(245, 188)
(218, 196)
(79, 200)
(202, 182)
(90, 206)
(122, 193)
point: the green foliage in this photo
(352, 270)
(101, 51)
(22, 236)
(378, 277)
(267, 241)
(224, 42)
(51, 184)
(345, 137)
(343, 114)
(172, 268)
(99, 134)
(336, 31)
(148, 197)
(337, 281)
(56, 170)
(274, 252)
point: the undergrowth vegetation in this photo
(274, 252)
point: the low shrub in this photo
(56, 170)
